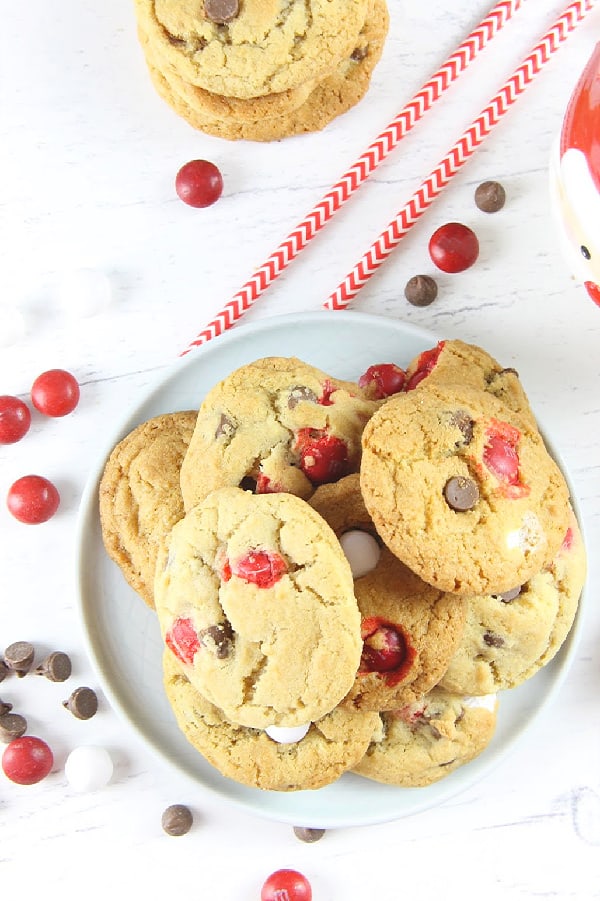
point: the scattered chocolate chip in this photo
(4, 670)
(18, 657)
(301, 393)
(462, 421)
(490, 196)
(221, 11)
(448, 762)
(225, 427)
(509, 369)
(12, 725)
(83, 703)
(507, 596)
(177, 819)
(5, 707)
(218, 638)
(306, 834)
(175, 41)
(360, 53)
(492, 640)
(248, 484)
(461, 493)
(421, 290)
(56, 667)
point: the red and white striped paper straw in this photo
(324, 211)
(457, 155)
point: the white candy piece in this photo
(362, 551)
(487, 701)
(88, 768)
(13, 326)
(84, 292)
(287, 735)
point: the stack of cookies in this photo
(346, 578)
(261, 70)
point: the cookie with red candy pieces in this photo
(275, 425)
(255, 600)
(410, 630)
(462, 490)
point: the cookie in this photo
(255, 599)
(262, 46)
(426, 741)
(410, 630)
(332, 745)
(140, 498)
(275, 425)
(334, 95)
(509, 637)
(453, 362)
(462, 490)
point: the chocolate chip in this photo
(4, 670)
(462, 421)
(56, 667)
(218, 638)
(507, 596)
(5, 707)
(19, 657)
(221, 11)
(490, 196)
(177, 819)
(421, 290)
(306, 834)
(360, 53)
(461, 493)
(83, 703)
(301, 393)
(492, 640)
(12, 725)
(248, 484)
(225, 428)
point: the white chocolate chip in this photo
(287, 735)
(362, 551)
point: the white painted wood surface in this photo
(88, 155)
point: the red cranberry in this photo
(453, 247)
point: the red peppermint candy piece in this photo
(260, 568)
(182, 640)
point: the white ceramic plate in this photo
(122, 634)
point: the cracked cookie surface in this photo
(425, 741)
(140, 498)
(255, 599)
(270, 46)
(331, 746)
(410, 630)
(462, 490)
(275, 425)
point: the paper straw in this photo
(457, 155)
(324, 211)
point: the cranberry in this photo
(286, 885)
(32, 499)
(55, 393)
(260, 568)
(27, 760)
(199, 183)
(15, 419)
(323, 457)
(182, 640)
(453, 247)
(384, 647)
(383, 379)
